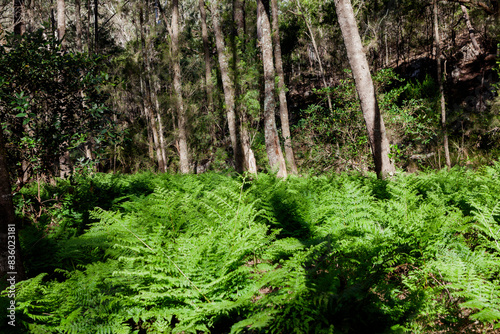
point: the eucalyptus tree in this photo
(437, 41)
(228, 87)
(181, 114)
(78, 25)
(61, 22)
(285, 125)
(273, 148)
(364, 86)
(239, 45)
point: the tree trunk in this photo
(11, 265)
(65, 166)
(364, 86)
(89, 17)
(96, 26)
(61, 22)
(273, 147)
(228, 87)
(19, 26)
(285, 127)
(78, 25)
(437, 41)
(472, 36)
(149, 96)
(181, 115)
(208, 67)
(239, 47)
(163, 148)
(206, 49)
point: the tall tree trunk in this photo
(477, 48)
(181, 115)
(89, 17)
(208, 67)
(19, 26)
(364, 86)
(238, 48)
(96, 26)
(147, 115)
(148, 96)
(206, 50)
(285, 127)
(437, 41)
(78, 25)
(228, 87)
(61, 22)
(11, 265)
(315, 46)
(273, 147)
(163, 147)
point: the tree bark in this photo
(181, 115)
(11, 266)
(285, 126)
(206, 51)
(78, 25)
(437, 41)
(61, 22)
(149, 96)
(208, 67)
(96, 26)
(364, 86)
(239, 47)
(228, 87)
(273, 147)
(472, 36)
(89, 17)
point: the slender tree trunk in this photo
(208, 67)
(89, 17)
(228, 87)
(19, 26)
(364, 86)
(148, 96)
(239, 47)
(206, 50)
(147, 114)
(96, 26)
(181, 115)
(78, 25)
(472, 36)
(11, 265)
(273, 147)
(163, 147)
(285, 127)
(315, 46)
(65, 167)
(437, 41)
(61, 22)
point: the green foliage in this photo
(338, 138)
(51, 102)
(341, 254)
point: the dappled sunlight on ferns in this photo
(339, 254)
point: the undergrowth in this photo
(220, 254)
